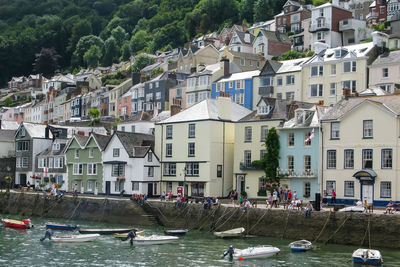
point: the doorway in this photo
(368, 193)
(150, 189)
(22, 179)
(108, 187)
(240, 183)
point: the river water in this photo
(23, 248)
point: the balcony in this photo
(372, 15)
(346, 25)
(314, 27)
(298, 173)
(266, 90)
(248, 166)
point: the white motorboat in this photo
(367, 257)
(252, 252)
(300, 245)
(154, 239)
(74, 238)
(353, 209)
(230, 233)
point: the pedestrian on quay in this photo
(275, 199)
(333, 199)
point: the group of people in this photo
(390, 208)
(165, 196)
(210, 202)
(139, 198)
(180, 201)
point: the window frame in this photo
(329, 160)
(116, 152)
(347, 188)
(168, 132)
(333, 136)
(248, 134)
(264, 133)
(290, 139)
(383, 158)
(365, 122)
(345, 166)
(333, 183)
(192, 130)
(364, 151)
(168, 150)
(381, 189)
(191, 149)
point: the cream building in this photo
(115, 94)
(193, 57)
(196, 148)
(360, 150)
(384, 72)
(327, 73)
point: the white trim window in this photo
(332, 90)
(89, 185)
(91, 151)
(135, 186)
(77, 153)
(386, 189)
(42, 163)
(150, 171)
(289, 79)
(349, 66)
(51, 161)
(58, 162)
(316, 90)
(349, 188)
(25, 162)
(91, 168)
(316, 71)
(77, 169)
(115, 152)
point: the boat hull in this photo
(255, 253)
(237, 232)
(126, 234)
(74, 238)
(104, 231)
(60, 227)
(176, 232)
(16, 224)
(300, 246)
(154, 240)
(372, 262)
(367, 257)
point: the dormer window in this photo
(264, 109)
(56, 147)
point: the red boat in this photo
(24, 224)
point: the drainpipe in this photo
(161, 157)
(321, 171)
(223, 159)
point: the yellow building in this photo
(327, 73)
(115, 94)
(196, 146)
(193, 57)
(360, 150)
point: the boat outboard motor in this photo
(131, 235)
(48, 235)
(230, 251)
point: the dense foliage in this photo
(99, 32)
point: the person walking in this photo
(275, 199)
(333, 200)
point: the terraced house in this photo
(84, 160)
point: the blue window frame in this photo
(349, 188)
(386, 158)
(335, 130)
(331, 159)
(349, 159)
(386, 189)
(367, 159)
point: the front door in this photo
(96, 184)
(22, 179)
(108, 187)
(150, 189)
(240, 183)
(82, 188)
(368, 193)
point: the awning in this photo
(365, 175)
(115, 162)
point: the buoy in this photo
(241, 258)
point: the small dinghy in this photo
(154, 240)
(251, 252)
(59, 226)
(237, 232)
(102, 231)
(367, 257)
(176, 232)
(74, 238)
(300, 245)
(126, 234)
(24, 224)
(353, 209)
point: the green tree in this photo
(139, 41)
(111, 51)
(270, 162)
(119, 35)
(8, 102)
(141, 62)
(80, 29)
(247, 10)
(157, 71)
(125, 52)
(92, 56)
(319, 2)
(94, 114)
(84, 44)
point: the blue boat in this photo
(59, 226)
(300, 246)
(367, 257)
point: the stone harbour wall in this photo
(325, 227)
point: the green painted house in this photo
(84, 162)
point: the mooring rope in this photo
(259, 220)
(369, 231)
(323, 228)
(205, 219)
(337, 230)
(233, 213)
(223, 215)
(151, 206)
(79, 203)
(286, 223)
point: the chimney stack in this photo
(175, 109)
(225, 65)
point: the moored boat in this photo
(104, 231)
(353, 209)
(24, 224)
(252, 252)
(59, 226)
(74, 238)
(176, 232)
(230, 233)
(154, 240)
(367, 257)
(123, 235)
(300, 245)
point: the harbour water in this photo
(23, 248)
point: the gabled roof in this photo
(390, 103)
(291, 65)
(239, 76)
(318, 112)
(35, 130)
(291, 3)
(50, 152)
(243, 39)
(393, 58)
(135, 144)
(274, 36)
(7, 135)
(271, 66)
(9, 125)
(206, 110)
(101, 140)
(244, 55)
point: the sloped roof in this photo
(36, 130)
(319, 111)
(9, 125)
(7, 135)
(245, 55)
(242, 38)
(81, 139)
(393, 58)
(206, 110)
(275, 36)
(102, 140)
(240, 76)
(50, 152)
(163, 115)
(135, 144)
(291, 65)
(142, 116)
(390, 102)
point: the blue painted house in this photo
(299, 152)
(76, 106)
(239, 86)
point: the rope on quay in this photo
(259, 220)
(151, 206)
(205, 219)
(337, 230)
(222, 216)
(286, 223)
(73, 213)
(238, 219)
(233, 213)
(105, 201)
(365, 234)
(323, 228)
